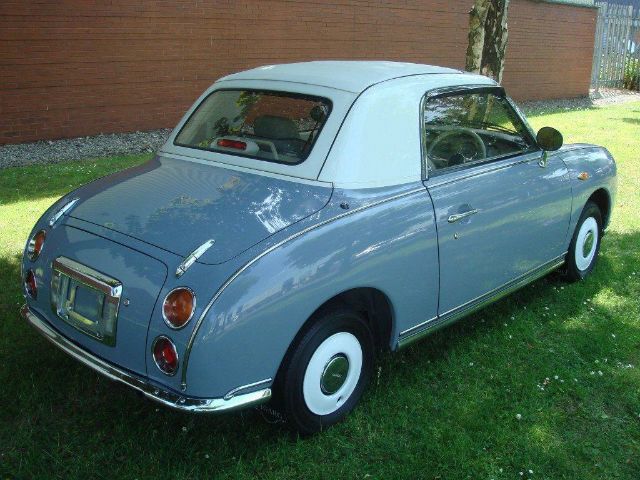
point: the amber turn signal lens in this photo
(178, 307)
(30, 284)
(165, 355)
(35, 245)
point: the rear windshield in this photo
(272, 126)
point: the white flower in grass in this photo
(184, 429)
(556, 377)
(592, 372)
(518, 416)
(613, 335)
(471, 364)
(530, 472)
(600, 372)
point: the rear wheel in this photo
(327, 370)
(585, 243)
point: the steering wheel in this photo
(479, 145)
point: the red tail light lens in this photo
(30, 284)
(35, 245)
(165, 355)
(226, 143)
(178, 307)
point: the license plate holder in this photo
(86, 299)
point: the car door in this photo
(501, 213)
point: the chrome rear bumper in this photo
(166, 397)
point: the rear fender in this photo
(391, 246)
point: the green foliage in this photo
(542, 385)
(632, 74)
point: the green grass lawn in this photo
(544, 384)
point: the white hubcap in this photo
(328, 367)
(586, 243)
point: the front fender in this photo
(389, 245)
(601, 170)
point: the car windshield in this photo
(266, 125)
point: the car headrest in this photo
(271, 126)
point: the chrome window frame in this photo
(462, 90)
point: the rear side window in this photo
(265, 125)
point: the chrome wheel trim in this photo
(334, 374)
(586, 242)
(328, 359)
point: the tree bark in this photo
(488, 36)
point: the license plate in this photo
(86, 299)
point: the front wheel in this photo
(327, 370)
(585, 243)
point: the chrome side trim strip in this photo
(193, 256)
(418, 326)
(165, 397)
(65, 208)
(413, 334)
(192, 338)
(235, 391)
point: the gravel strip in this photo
(54, 151)
(603, 98)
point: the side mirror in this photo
(549, 139)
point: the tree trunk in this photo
(488, 35)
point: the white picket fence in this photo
(616, 56)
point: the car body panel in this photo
(523, 213)
(141, 276)
(273, 297)
(601, 170)
(178, 209)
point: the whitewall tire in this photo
(585, 244)
(326, 370)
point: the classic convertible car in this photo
(301, 218)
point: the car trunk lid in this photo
(178, 205)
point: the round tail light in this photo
(165, 355)
(178, 307)
(35, 245)
(30, 284)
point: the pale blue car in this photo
(301, 218)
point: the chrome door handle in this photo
(460, 216)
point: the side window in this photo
(470, 128)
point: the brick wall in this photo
(80, 67)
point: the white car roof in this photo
(371, 143)
(351, 76)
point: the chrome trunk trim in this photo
(193, 256)
(407, 337)
(160, 395)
